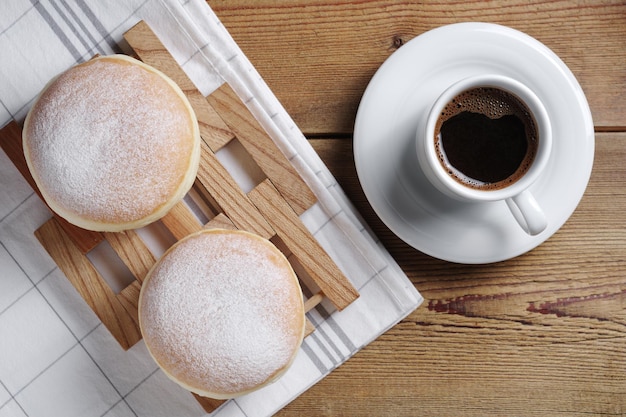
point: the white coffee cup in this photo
(517, 196)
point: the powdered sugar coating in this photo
(109, 142)
(222, 313)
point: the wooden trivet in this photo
(271, 209)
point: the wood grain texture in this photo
(541, 334)
(129, 299)
(132, 251)
(262, 148)
(180, 221)
(299, 241)
(233, 202)
(89, 283)
(317, 57)
(220, 222)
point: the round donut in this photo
(112, 144)
(222, 313)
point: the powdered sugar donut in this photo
(222, 313)
(112, 144)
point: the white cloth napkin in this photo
(56, 358)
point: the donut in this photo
(222, 313)
(112, 144)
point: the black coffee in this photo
(486, 138)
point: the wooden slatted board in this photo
(271, 209)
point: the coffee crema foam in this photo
(495, 104)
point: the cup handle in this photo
(527, 212)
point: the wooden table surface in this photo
(543, 334)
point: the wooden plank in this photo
(89, 284)
(151, 51)
(318, 57)
(11, 143)
(316, 262)
(227, 194)
(262, 148)
(530, 328)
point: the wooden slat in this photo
(220, 222)
(308, 327)
(227, 194)
(132, 251)
(209, 404)
(262, 148)
(313, 301)
(309, 305)
(89, 284)
(151, 51)
(129, 299)
(303, 245)
(11, 143)
(180, 221)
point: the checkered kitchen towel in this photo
(56, 358)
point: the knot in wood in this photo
(396, 42)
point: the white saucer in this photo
(384, 142)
